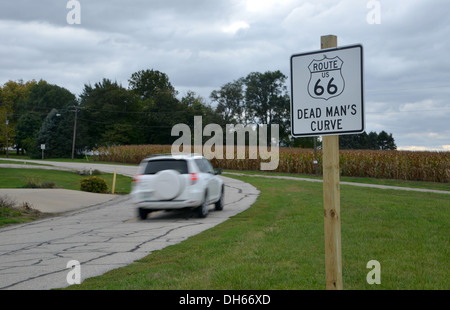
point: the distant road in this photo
(345, 183)
(128, 170)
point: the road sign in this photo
(327, 96)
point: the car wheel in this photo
(143, 213)
(219, 204)
(202, 210)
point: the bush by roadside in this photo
(33, 183)
(94, 184)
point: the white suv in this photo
(169, 182)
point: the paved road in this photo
(101, 237)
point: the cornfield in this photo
(405, 165)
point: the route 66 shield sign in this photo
(327, 92)
(326, 80)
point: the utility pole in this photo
(74, 130)
(7, 144)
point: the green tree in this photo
(303, 142)
(149, 83)
(33, 102)
(161, 113)
(46, 135)
(266, 98)
(43, 97)
(12, 96)
(56, 133)
(386, 141)
(230, 102)
(27, 128)
(354, 141)
(371, 141)
(109, 114)
(161, 110)
(194, 105)
(259, 98)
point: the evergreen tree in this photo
(371, 141)
(27, 128)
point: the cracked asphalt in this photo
(102, 237)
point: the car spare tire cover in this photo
(169, 184)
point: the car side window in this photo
(208, 166)
(201, 165)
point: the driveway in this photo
(55, 200)
(102, 236)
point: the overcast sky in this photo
(203, 44)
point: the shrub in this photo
(94, 185)
(9, 212)
(6, 202)
(32, 183)
(8, 208)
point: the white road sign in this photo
(327, 96)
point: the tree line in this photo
(35, 112)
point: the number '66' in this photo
(331, 88)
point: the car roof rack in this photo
(174, 154)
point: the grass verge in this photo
(388, 182)
(278, 243)
(19, 178)
(11, 213)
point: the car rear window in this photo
(155, 166)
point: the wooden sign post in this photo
(331, 199)
(327, 99)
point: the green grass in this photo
(11, 213)
(18, 178)
(19, 214)
(389, 182)
(278, 243)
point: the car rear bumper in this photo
(141, 201)
(168, 205)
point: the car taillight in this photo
(193, 178)
(136, 178)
